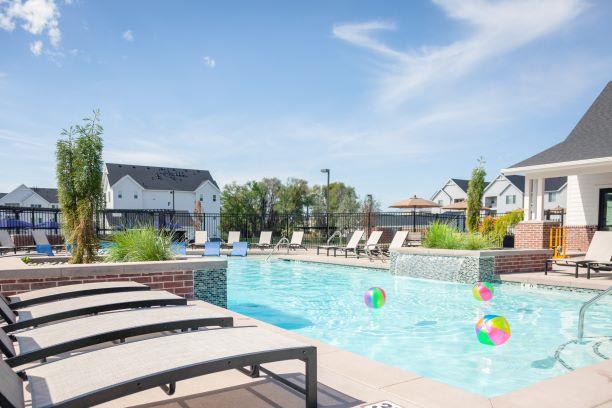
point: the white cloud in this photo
(128, 36)
(496, 28)
(34, 16)
(36, 47)
(209, 62)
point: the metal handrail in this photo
(278, 244)
(585, 306)
(338, 234)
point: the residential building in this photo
(585, 158)
(35, 197)
(506, 193)
(453, 191)
(128, 186)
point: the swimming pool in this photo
(426, 327)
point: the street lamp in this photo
(369, 200)
(327, 201)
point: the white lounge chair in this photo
(296, 241)
(200, 239)
(58, 338)
(370, 248)
(106, 374)
(397, 242)
(232, 236)
(265, 240)
(6, 243)
(351, 246)
(599, 253)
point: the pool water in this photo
(426, 327)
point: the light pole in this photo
(369, 204)
(327, 201)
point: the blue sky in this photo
(394, 96)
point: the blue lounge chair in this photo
(239, 249)
(212, 248)
(178, 248)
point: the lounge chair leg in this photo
(311, 380)
(588, 271)
(169, 389)
(576, 274)
(546, 267)
(254, 372)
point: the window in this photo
(552, 197)
(135, 196)
(511, 199)
(35, 205)
(120, 194)
(54, 206)
(201, 197)
(214, 197)
(440, 202)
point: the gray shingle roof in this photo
(554, 184)
(590, 139)
(49, 194)
(518, 181)
(2, 195)
(463, 183)
(160, 178)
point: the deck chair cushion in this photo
(233, 236)
(398, 239)
(600, 248)
(6, 345)
(201, 237)
(355, 238)
(239, 249)
(265, 238)
(40, 237)
(212, 248)
(297, 237)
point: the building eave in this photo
(587, 166)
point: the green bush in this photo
(502, 223)
(441, 235)
(140, 244)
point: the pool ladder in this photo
(283, 240)
(584, 308)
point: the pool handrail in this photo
(585, 306)
(283, 240)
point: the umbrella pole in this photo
(414, 219)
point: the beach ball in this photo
(493, 330)
(375, 297)
(483, 291)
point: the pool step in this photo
(576, 353)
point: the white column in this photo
(527, 199)
(540, 200)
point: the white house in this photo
(34, 197)
(128, 186)
(504, 193)
(453, 191)
(585, 158)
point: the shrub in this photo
(26, 259)
(140, 244)
(504, 222)
(440, 235)
(487, 226)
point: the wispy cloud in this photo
(209, 62)
(34, 16)
(496, 28)
(36, 47)
(128, 36)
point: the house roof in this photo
(518, 181)
(49, 194)
(554, 184)
(590, 139)
(463, 184)
(160, 178)
(2, 195)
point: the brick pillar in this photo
(579, 236)
(533, 234)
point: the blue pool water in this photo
(426, 326)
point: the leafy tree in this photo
(475, 191)
(79, 185)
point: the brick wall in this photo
(521, 263)
(533, 234)
(177, 282)
(579, 236)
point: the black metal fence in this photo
(316, 226)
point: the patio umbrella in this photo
(12, 223)
(414, 202)
(48, 225)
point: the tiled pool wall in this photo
(465, 266)
(211, 286)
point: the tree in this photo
(79, 185)
(475, 191)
